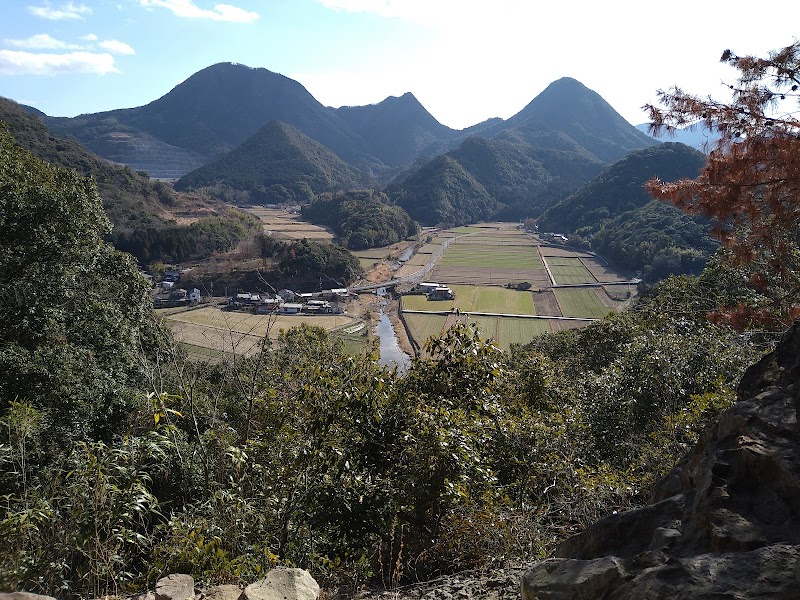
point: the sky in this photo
(464, 60)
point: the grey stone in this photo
(571, 579)
(222, 592)
(724, 523)
(23, 596)
(175, 587)
(283, 584)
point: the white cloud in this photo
(66, 11)
(116, 47)
(189, 10)
(14, 62)
(89, 37)
(41, 41)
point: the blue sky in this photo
(465, 60)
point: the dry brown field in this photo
(546, 304)
(240, 333)
(283, 224)
(562, 252)
(488, 276)
(600, 271)
(565, 324)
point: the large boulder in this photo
(283, 583)
(725, 523)
(175, 587)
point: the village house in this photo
(441, 293)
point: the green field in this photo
(503, 330)
(429, 249)
(367, 263)
(501, 257)
(567, 270)
(421, 327)
(470, 298)
(581, 302)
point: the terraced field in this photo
(287, 225)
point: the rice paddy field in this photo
(470, 298)
(569, 270)
(218, 331)
(480, 262)
(490, 256)
(582, 302)
(503, 330)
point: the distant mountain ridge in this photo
(398, 129)
(696, 136)
(221, 106)
(519, 167)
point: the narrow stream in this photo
(390, 352)
(406, 255)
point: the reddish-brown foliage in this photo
(750, 187)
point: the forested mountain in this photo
(136, 206)
(214, 111)
(622, 221)
(223, 105)
(562, 139)
(398, 129)
(361, 219)
(278, 164)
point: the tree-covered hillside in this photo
(361, 219)
(139, 208)
(519, 167)
(398, 130)
(278, 164)
(621, 221)
(122, 461)
(484, 178)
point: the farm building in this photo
(441, 293)
(291, 308)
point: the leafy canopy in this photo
(751, 184)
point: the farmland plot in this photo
(569, 270)
(240, 333)
(476, 299)
(581, 302)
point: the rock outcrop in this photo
(724, 524)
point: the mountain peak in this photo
(571, 107)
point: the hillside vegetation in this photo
(303, 454)
(361, 219)
(620, 220)
(142, 211)
(278, 164)
(518, 168)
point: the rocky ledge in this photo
(724, 524)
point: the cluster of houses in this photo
(287, 302)
(177, 297)
(436, 291)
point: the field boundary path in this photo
(414, 277)
(493, 314)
